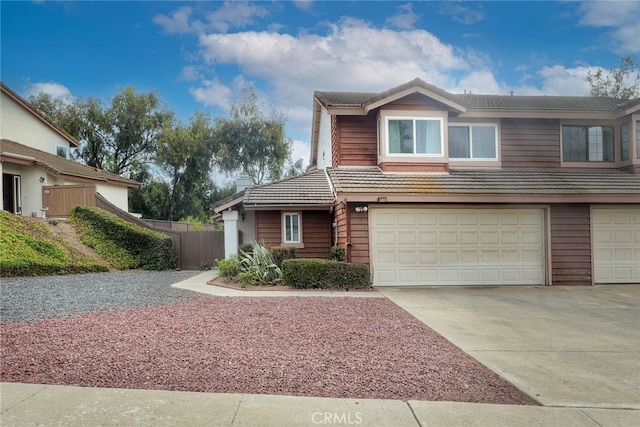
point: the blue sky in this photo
(199, 55)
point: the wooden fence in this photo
(191, 248)
(60, 199)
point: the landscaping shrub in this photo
(307, 273)
(124, 244)
(229, 268)
(258, 267)
(245, 248)
(280, 253)
(338, 253)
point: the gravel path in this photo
(155, 337)
(34, 298)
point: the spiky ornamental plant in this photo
(258, 267)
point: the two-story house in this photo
(38, 176)
(435, 188)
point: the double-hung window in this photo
(292, 228)
(587, 143)
(414, 136)
(473, 141)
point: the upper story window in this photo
(638, 139)
(476, 141)
(587, 143)
(62, 151)
(414, 136)
(624, 141)
(291, 228)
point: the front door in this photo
(11, 193)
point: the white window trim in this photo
(284, 229)
(476, 159)
(413, 119)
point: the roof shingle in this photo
(302, 190)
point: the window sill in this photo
(293, 245)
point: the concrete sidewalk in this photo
(199, 284)
(38, 405)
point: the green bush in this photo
(280, 253)
(308, 273)
(338, 253)
(229, 268)
(124, 244)
(258, 267)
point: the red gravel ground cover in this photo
(306, 346)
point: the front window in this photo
(587, 143)
(473, 142)
(624, 141)
(292, 228)
(419, 136)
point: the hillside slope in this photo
(28, 247)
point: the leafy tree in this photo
(115, 137)
(249, 142)
(619, 82)
(185, 154)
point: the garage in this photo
(411, 246)
(616, 245)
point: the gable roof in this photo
(38, 115)
(498, 185)
(471, 101)
(11, 151)
(307, 190)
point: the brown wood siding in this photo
(570, 245)
(335, 141)
(414, 167)
(357, 141)
(415, 102)
(530, 143)
(268, 227)
(341, 223)
(316, 232)
(359, 236)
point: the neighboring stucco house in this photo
(35, 165)
(435, 188)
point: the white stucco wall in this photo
(116, 194)
(324, 140)
(247, 227)
(31, 187)
(20, 125)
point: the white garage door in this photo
(457, 246)
(616, 245)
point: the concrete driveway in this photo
(564, 346)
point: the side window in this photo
(291, 228)
(473, 141)
(62, 151)
(587, 143)
(624, 141)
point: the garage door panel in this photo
(616, 245)
(458, 246)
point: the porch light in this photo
(362, 208)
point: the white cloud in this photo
(559, 80)
(405, 18)
(230, 15)
(235, 14)
(622, 17)
(479, 82)
(303, 4)
(212, 93)
(55, 90)
(179, 22)
(463, 14)
(300, 150)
